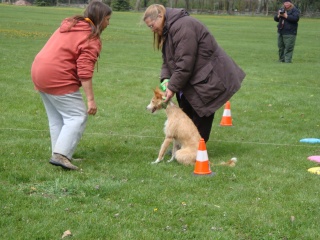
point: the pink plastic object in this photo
(314, 158)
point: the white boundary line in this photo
(143, 136)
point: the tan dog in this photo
(178, 128)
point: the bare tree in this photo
(187, 5)
(266, 7)
(230, 6)
(137, 6)
(211, 5)
(259, 6)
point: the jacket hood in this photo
(79, 26)
(172, 15)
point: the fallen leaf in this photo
(66, 234)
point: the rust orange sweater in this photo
(66, 57)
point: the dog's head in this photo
(157, 101)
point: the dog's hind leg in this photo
(186, 156)
(163, 149)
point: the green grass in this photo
(118, 194)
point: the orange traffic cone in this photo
(226, 117)
(202, 166)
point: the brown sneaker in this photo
(60, 160)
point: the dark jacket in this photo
(196, 65)
(288, 26)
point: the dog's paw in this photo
(170, 160)
(156, 161)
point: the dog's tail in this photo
(230, 163)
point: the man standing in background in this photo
(287, 18)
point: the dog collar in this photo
(164, 105)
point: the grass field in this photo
(118, 194)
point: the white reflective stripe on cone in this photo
(202, 156)
(227, 112)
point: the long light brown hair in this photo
(152, 12)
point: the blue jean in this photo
(67, 116)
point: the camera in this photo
(281, 11)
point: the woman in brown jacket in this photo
(201, 74)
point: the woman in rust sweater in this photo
(63, 65)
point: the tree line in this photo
(309, 8)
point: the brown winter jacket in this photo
(196, 65)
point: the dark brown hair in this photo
(96, 11)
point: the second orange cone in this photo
(226, 117)
(202, 166)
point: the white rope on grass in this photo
(146, 136)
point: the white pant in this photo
(67, 115)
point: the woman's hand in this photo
(87, 87)
(92, 107)
(169, 95)
(284, 15)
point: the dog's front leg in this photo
(174, 150)
(163, 149)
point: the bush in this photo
(41, 3)
(121, 5)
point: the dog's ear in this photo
(157, 92)
(157, 89)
